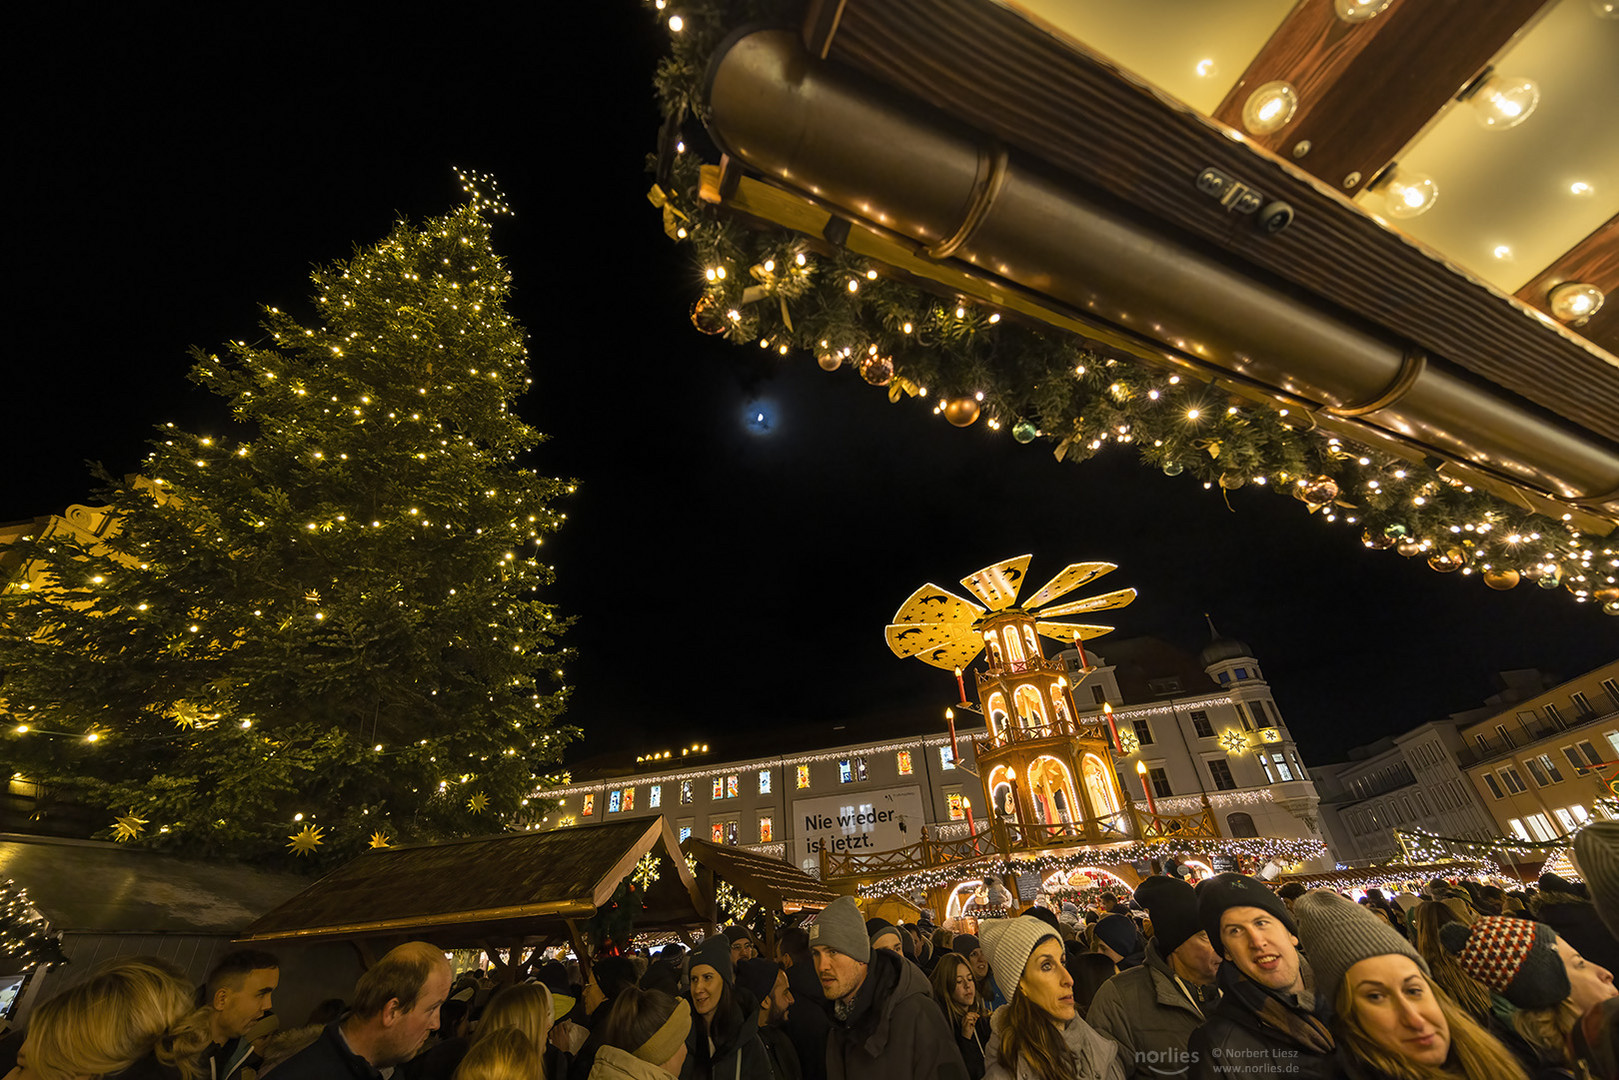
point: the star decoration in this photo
(127, 827)
(478, 803)
(306, 840)
(1129, 741)
(379, 840)
(1234, 741)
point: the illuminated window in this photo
(629, 799)
(1281, 766)
(764, 829)
(685, 793)
(654, 796)
(685, 831)
(958, 812)
(730, 786)
(803, 777)
(947, 760)
(590, 805)
(719, 787)
(845, 771)
(764, 781)
(718, 832)
(903, 757)
(613, 801)
(860, 769)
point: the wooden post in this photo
(579, 949)
(770, 935)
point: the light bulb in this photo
(1408, 194)
(1270, 107)
(1504, 102)
(1356, 11)
(1575, 300)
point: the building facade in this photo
(1204, 728)
(1545, 765)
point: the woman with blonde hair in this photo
(133, 1016)
(1389, 1018)
(526, 1008)
(1527, 963)
(504, 1054)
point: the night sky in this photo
(170, 172)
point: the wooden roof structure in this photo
(777, 885)
(515, 888)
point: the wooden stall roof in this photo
(520, 886)
(775, 884)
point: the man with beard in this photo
(1264, 1025)
(767, 981)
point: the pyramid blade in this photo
(958, 652)
(916, 639)
(997, 586)
(1067, 580)
(1106, 601)
(1064, 631)
(931, 604)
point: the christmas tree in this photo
(25, 940)
(327, 628)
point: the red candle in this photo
(1084, 664)
(1107, 710)
(972, 826)
(961, 687)
(950, 718)
(1146, 786)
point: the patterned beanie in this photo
(1514, 957)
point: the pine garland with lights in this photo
(799, 297)
(25, 938)
(324, 620)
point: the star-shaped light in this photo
(1234, 741)
(306, 840)
(127, 827)
(478, 803)
(379, 839)
(1130, 741)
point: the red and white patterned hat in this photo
(1514, 957)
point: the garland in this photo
(798, 297)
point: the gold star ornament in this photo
(306, 840)
(478, 803)
(127, 827)
(1234, 741)
(379, 839)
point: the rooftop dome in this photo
(1220, 649)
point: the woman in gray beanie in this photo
(1388, 1017)
(1040, 1034)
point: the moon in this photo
(759, 417)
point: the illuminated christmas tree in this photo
(330, 614)
(25, 940)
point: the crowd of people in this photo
(1232, 978)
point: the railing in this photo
(1019, 667)
(1017, 731)
(1178, 826)
(1524, 734)
(918, 856)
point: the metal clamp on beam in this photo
(987, 185)
(1412, 366)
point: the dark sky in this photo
(171, 171)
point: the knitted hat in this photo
(1596, 853)
(1009, 943)
(1119, 933)
(1172, 905)
(964, 945)
(757, 976)
(735, 934)
(671, 1036)
(1407, 901)
(881, 928)
(715, 951)
(1223, 891)
(1514, 957)
(840, 927)
(1336, 933)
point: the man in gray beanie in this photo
(1152, 1010)
(885, 1023)
(1263, 1025)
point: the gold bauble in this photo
(1502, 579)
(961, 411)
(1231, 481)
(1376, 541)
(829, 361)
(1605, 595)
(1318, 491)
(1448, 560)
(1409, 548)
(876, 369)
(706, 315)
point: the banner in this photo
(856, 822)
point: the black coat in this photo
(1235, 1043)
(739, 1056)
(327, 1058)
(809, 1018)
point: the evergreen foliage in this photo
(333, 619)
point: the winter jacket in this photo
(973, 1047)
(1146, 1011)
(779, 1049)
(327, 1058)
(893, 1029)
(741, 1056)
(1239, 1042)
(1576, 921)
(615, 1064)
(809, 1018)
(1096, 1057)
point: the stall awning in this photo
(777, 885)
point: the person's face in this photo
(964, 991)
(779, 1000)
(840, 973)
(979, 962)
(1261, 947)
(408, 1029)
(739, 952)
(1196, 959)
(239, 1006)
(1397, 1008)
(706, 987)
(889, 941)
(1046, 982)
(1588, 983)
